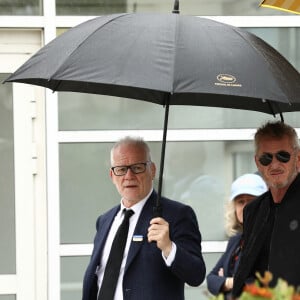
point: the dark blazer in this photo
(146, 275)
(284, 253)
(214, 281)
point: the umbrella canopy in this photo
(168, 59)
(292, 6)
(153, 57)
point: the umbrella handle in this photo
(157, 211)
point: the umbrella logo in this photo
(227, 80)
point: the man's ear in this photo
(153, 170)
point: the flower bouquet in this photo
(260, 289)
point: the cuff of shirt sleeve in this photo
(169, 260)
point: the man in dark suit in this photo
(272, 221)
(161, 253)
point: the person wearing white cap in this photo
(243, 190)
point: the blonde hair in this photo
(232, 225)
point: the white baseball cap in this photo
(250, 184)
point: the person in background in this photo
(161, 253)
(243, 190)
(272, 221)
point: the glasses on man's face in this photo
(282, 156)
(135, 168)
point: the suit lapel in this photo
(141, 229)
(234, 244)
(104, 226)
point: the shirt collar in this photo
(137, 208)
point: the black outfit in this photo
(271, 239)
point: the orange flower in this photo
(266, 279)
(296, 297)
(258, 291)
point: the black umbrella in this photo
(168, 59)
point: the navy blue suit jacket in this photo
(214, 281)
(146, 275)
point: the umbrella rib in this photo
(270, 104)
(174, 57)
(87, 37)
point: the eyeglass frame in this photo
(130, 167)
(282, 156)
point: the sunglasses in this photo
(281, 156)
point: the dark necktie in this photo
(112, 269)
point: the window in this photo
(7, 191)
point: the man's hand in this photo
(159, 232)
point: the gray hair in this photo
(134, 141)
